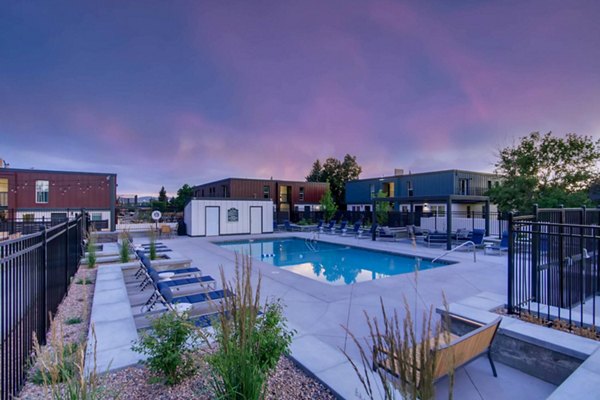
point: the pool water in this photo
(328, 262)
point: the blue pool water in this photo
(328, 262)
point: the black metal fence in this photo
(553, 271)
(35, 273)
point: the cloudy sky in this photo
(166, 93)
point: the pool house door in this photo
(212, 221)
(255, 220)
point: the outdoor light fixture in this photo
(426, 207)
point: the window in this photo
(489, 184)
(3, 192)
(28, 217)
(301, 194)
(41, 191)
(439, 211)
(202, 192)
(283, 194)
(96, 216)
(266, 192)
(372, 189)
(409, 188)
(463, 186)
(224, 187)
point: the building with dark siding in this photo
(437, 191)
(287, 196)
(30, 194)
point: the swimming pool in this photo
(329, 262)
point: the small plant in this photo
(61, 369)
(152, 245)
(91, 250)
(170, 346)
(84, 281)
(125, 248)
(73, 321)
(249, 343)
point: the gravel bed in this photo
(287, 383)
(77, 303)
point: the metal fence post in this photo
(511, 263)
(535, 248)
(45, 320)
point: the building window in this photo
(266, 192)
(372, 189)
(3, 192)
(463, 186)
(41, 191)
(283, 194)
(28, 217)
(489, 184)
(96, 216)
(409, 188)
(224, 190)
(301, 194)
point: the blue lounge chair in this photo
(342, 228)
(290, 227)
(436, 238)
(319, 226)
(373, 229)
(498, 248)
(330, 228)
(477, 237)
(356, 227)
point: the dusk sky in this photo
(174, 92)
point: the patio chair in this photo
(330, 228)
(498, 248)
(360, 234)
(166, 231)
(450, 356)
(290, 227)
(342, 228)
(385, 233)
(319, 226)
(356, 227)
(477, 237)
(436, 238)
(146, 267)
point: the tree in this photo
(382, 208)
(184, 194)
(328, 205)
(337, 173)
(546, 170)
(315, 172)
(162, 195)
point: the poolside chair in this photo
(146, 267)
(330, 228)
(436, 238)
(498, 248)
(290, 227)
(356, 228)
(342, 228)
(385, 233)
(165, 230)
(361, 232)
(450, 356)
(319, 226)
(477, 237)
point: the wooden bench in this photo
(460, 351)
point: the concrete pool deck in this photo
(318, 310)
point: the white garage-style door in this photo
(255, 220)
(212, 221)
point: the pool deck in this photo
(318, 310)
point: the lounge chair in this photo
(342, 228)
(360, 234)
(319, 226)
(330, 228)
(291, 227)
(460, 351)
(356, 228)
(436, 238)
(498, 248)
(477, 237)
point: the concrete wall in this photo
(195, 216)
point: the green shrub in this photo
(170, 345)
(249, 343)
(73, 321)
(124, 249)
(91, 251)
(152, 246)
(84, 281)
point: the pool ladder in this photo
(310, 242)
(458, 247)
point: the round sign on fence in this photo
(156, 215)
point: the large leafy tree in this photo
(184, 194)
(337, 173)
(546, 170)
